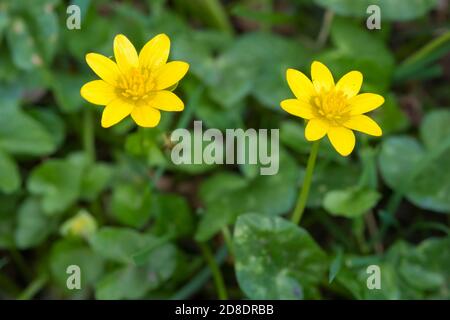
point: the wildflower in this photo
(80, 225)
(332, 109)
(136, 85)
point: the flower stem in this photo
(215, 270)
(228, 239)
(198, 281)
(304, 192)
(33, 288)
(216, 14)
(88, 134)
(325, 29)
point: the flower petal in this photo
(170, 74)
(342, 139)
(300, 85)
(350, 83)
(321, 77)
(298, 108)
(155, 52)
(364, 124)
(98, 92)
(115, 111)
(365, 102)
(125, 53)
(316, 129)
(166, 101)
(104, 67)
(146, 116)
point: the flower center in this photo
(332, 106)
(137, 84)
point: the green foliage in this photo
(408, 272)
(112, 202)
(33, 227)
(398, 10)
(418, 170)
(65, 253)
(276, 259)
(9, 174)
(228, 195)
(35, 140)
(350, 203)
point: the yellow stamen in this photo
(136, 84)
(332, 106)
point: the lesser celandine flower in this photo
(332, 109)
(136, 85)
(80, 225)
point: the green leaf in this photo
(196, 47)
(399, 154)
(331, 176)
(215, 116)
(398, 10)
(173, 216)
(9, 174)
(96, 179)
(66, 88)
(44, 23)
(247, 67)
(120, 244)
(434, 130)
(21, 134)
(58, 183)
(131, 204)
(33, 226)
(336, 265)
(407, 272)
(131, 282)
(65, 253)
(78, 42)
(125, 283)
(352, 202)
(8, 208)
(4, 21)
(270, 86)
(421, 171)
(22, 45)
(52, 122)
(276, 259)
(227, 195)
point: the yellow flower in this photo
(332, 109)
(81, 225)
(135, 84)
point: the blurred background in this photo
(111, 202)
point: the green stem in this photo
(20, 263)
(217, 274)
(198, 281)
(217, 15)
(33, 288)
(430, 52)
(304, 192)
(142, 141)
(325, 29)
(228, 239)
(88, 134)
(9, 288)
